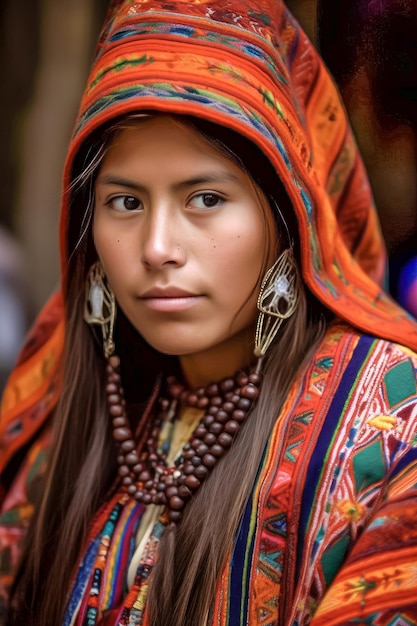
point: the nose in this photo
(160, 239)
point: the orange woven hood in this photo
(247, 65)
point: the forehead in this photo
(168, 144)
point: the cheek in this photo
(240, 269)
(111, 248)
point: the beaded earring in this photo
(100, 306)
(277, 300)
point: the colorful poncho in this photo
(335, 500)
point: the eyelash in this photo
(218, 197)
(112, 202)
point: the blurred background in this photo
(48, 45)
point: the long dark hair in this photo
(82, 462)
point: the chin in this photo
(175, 345)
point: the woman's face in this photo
(183, 240)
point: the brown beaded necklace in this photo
(146, 475)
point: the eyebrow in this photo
(209, 177)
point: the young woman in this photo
(214, 422)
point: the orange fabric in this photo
(33, 388)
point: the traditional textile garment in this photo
(328, 535)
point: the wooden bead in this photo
(176, 503)
(209, 461)
(202, 449)
(192, 482)
(210, 439)
(114, 398)
(192, 399)
(242, 379)
(249, 391)
(200, 431)
(132, 458)
(114, 361)
(227, 384)
(175, 516)
(122, 433)
(229, 407)
(202, 403)
(232, 427)
(216, 428)
(254, 378)
(127, 446)
(157, 498)
(222, 416)
(244, 404)
(217, 450)
(188, 468)
(239, 415)
(116, 410)
(171, 491)
(225, 440)
(184, 492)
(212, 390)
(175, 391)
(160, 498)
(208, 420)
(201, 472)
(120, 421)
(111, 388)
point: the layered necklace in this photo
(143, 467)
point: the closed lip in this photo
(169, 299)
(157, 293)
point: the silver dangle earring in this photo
(277, 301)
(100, 306)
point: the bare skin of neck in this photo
(220, 361)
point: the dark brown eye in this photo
(130, 203)
(210, 200)
(205, 201)
(125, 203)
